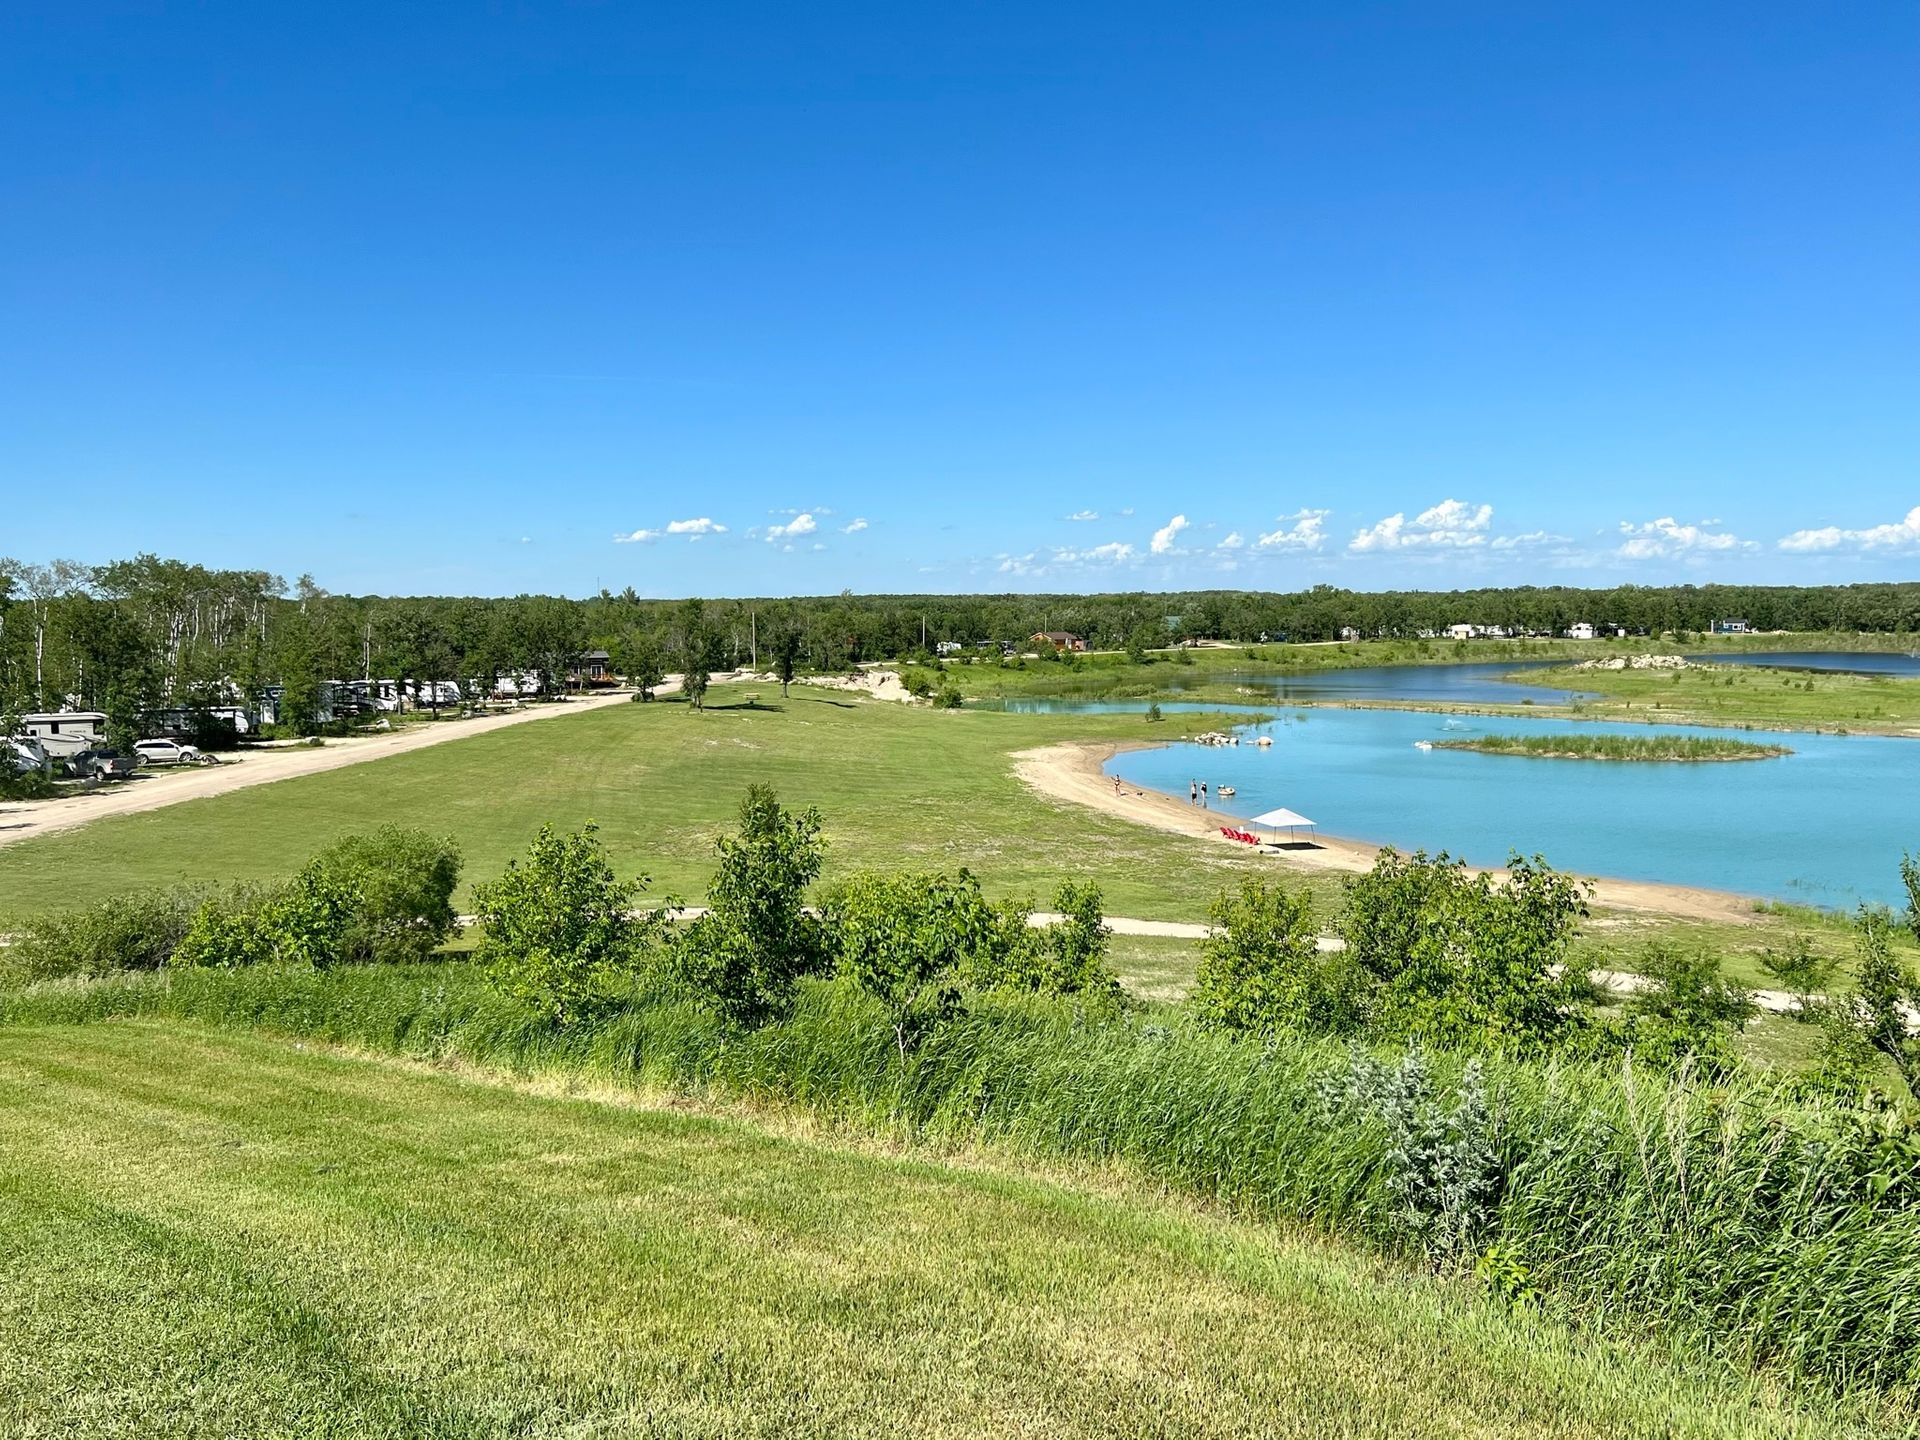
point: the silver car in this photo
(167, 752)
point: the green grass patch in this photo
(1576, 746)
(210, 1235)
(902, 787)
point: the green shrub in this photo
(25, 784)
(1261, 968)
(557, 932)
(229, 931)
(1467, 961)
(744, 956)
(903, 939)
(395, 887)
(1685, 1011)
(1067, 957)
(130, 932)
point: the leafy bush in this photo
(130, 932)
(230, 930)
(1867, 1026)
(1802, 972)
(24, 784)
(558, 935)
(743, 957)
(395, 887)
(1687, 1010)
(1469, 962)
(903, 939)
(1067, 957)
(1261, 968)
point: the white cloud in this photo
(1233, 541)
(1666, 539)
(1450, 524)
(692, 529)
(855, 526)
(1900, 535)
(1164, 537)
(1114, 552)
(1126, 512)
(801, 524)
(1084, 515)
(1302, 530)
(1529, 540)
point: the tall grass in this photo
(1739, 1220)
(1617, 747)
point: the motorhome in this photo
(63, 733)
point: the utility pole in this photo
(753, 637)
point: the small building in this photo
(1580, 630)
(1462, 632)
(1731, 627)
(591, 667)
(1061, 640)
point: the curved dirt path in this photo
(29, 820)
(1071, 771)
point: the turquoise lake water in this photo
(1823, 826)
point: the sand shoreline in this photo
(1071, 770)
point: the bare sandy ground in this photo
(1070, 771)
(31, 819)
(879, 684)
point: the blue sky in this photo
(464, 298)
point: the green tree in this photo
(696, 651)
(903, 938)
(745, 956)
(557, 932)
(786, 656)
(1261, 967)
(1871, 1022)
(1802, 972)
(1468, 961)
(399, 884)
(637, 656)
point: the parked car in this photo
(168, 752)
(105, 764)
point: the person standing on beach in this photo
(1193, 792)
(1203, 794)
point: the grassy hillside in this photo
(1747, 695)
(210, 1235)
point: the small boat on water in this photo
(1423, 744)
(1264, 741)
(1226, 790)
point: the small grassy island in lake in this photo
(1617, 747)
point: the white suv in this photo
(167, 752)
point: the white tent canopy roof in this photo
(1281, 819)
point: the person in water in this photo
(1193, 792)
(1203, 794)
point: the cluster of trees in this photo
(562, 933)
(135, 635)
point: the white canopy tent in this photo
(1283, 819)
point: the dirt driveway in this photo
(28, 820)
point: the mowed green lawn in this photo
(217, 1235)
(900, 786)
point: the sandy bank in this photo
(1071, 771)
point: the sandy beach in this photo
(1071, 771)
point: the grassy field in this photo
(216, 1235)
(900, 786)
(1747, 696)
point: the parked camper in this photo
(65, 733)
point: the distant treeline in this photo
(137, 634)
